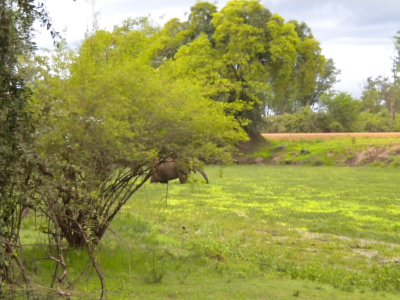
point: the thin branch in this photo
(98, 271)
(90, 249)
(104, 226)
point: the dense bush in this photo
(374, 122)
(305, 120)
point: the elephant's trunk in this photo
(203, 173)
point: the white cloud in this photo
(358, 62)
(356, 34)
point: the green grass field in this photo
(255, 232)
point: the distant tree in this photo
(383, 93)
(342, 111)
(374, 96)
(394, 91)
(396, 59)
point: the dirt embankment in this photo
(327, 136)
(375, 155)
(374, 151)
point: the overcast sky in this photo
(356, 34)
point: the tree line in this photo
(376, 110)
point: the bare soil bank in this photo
(330, 135)
(341, 149)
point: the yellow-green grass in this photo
(255, 232)
(337, 150)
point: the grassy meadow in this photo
(254, 232)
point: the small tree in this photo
(107, 124)
(342, 111)
(247, 58)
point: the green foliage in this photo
(305, 120)
(201, 15)
(375, 122)
(136, 107)
(109, 121)
(381, 94)
(245, 57)
(283, 55)
(342, 112)
(336, 113)
(17, 159)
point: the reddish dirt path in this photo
(325, 136)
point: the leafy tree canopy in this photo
(246, 57)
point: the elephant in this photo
(170, 169)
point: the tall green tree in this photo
(240, 40)
(252, 61)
